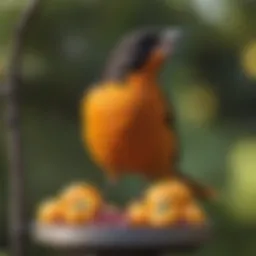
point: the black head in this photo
(134, 50)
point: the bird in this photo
(127, 124)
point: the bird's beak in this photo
(170, 38)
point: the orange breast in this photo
(123, 128)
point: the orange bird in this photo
(127, 125)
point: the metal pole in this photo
(17, 207)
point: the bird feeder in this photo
(84, 240)
(121, 241)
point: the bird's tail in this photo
(200, 190)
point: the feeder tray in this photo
(121, 240)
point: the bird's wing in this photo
(169, 119)
(170, 122)
(169, 116)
